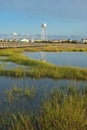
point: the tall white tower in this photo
(14, 34)
(43, 33)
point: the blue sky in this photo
(63, 17)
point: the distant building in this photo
(32, 40)
(59, 40)
(24, 40)
(84, 41)
(38, 40)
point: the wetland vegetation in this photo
(38, 68)
(63, 108)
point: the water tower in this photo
(43, 38)
(43, 33)
(14, 34)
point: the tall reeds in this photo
(63, 109)
(17, 93)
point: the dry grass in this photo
(59, 47)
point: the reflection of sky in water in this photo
(62, 58)
(9, 65)
(42, 87)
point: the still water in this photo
(7, 65)
(42, 87)
(61, 58)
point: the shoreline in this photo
(55, 47)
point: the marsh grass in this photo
(16, 121)
(57, 47)
(60, 72)
(18, 93)
(45, 70)
(63, 109)
(2, 66)
(38, 68)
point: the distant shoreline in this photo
(55, 47)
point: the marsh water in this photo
(42, 86)
(10, 65)
(77, 59)
(61, 58)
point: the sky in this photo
(63, 17)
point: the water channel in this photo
(42, 86)
(61, 58)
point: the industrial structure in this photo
(43, 32)
(43, 38)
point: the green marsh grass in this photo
(44, 70)
(38, 68)
(63, 109)
(17, 93)
(57, 47)
(16, 121)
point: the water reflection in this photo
(62, 58)
(42, 83)
(10, 65)
(42, 87)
